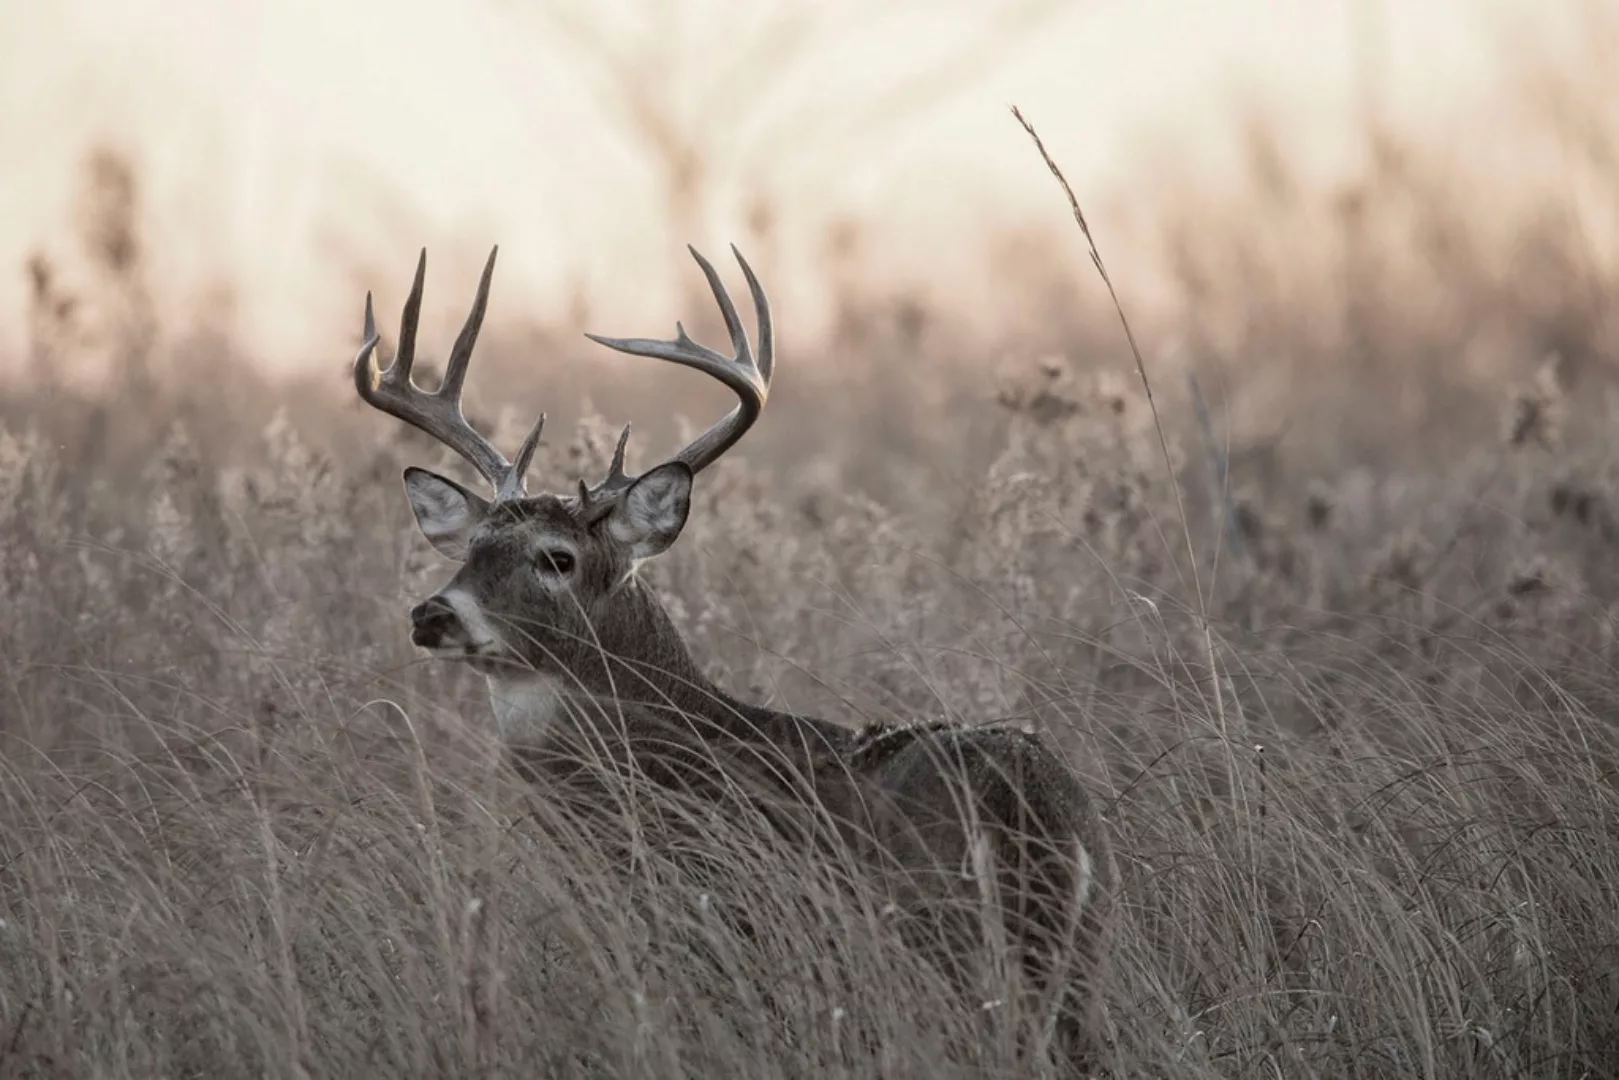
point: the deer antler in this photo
(439, 413)
(749, 379)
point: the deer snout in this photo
(431, 621)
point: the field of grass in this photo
(1362, 787)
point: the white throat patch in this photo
(526, 706)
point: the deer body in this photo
(588, 675)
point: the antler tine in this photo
(438, 413)
(594, 502)
(616, 469)
(747, 378)
(455, 371)
(512, 486)
(399, 372)
(761, 307)
(368, 378)
(733, 321)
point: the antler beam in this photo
(748, 378)
(438, 413)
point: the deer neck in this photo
(648, 664)
(640, 659)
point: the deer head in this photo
(546, 581)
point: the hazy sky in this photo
(292, 144)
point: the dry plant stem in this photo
(1158, 424)
(278, 911)
(1221, 461)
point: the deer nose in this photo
(430, 621)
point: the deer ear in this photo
(446, 512)
(649, 516)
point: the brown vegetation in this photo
(244, 831)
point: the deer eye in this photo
(554, 561)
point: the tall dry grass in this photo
(244, 831)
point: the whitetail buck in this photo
(548, 607)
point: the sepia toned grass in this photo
(1361, 777)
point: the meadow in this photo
(1329, 624)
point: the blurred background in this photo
(288, 156)
(1350, 233)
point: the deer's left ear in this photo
(649, 516)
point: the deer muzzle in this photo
(434, 624)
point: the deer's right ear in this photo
(446, 512)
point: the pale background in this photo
(299, 149)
